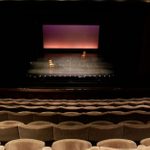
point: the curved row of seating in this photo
(94, 131)
(101, 105)
(76, 102)
(76, 144)
(84, 117)
(74, 108)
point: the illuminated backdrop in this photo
(70, 36)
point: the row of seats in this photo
(95, 131)
(76, 144)
(84, 117)
(74, 108)
(76, 102)
(79, 103)
(99, 105)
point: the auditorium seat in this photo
(24, 116)
(131, 122)
(85, 103)
(46, 116)
(136, 132)
(8, 132)
(140, 115)
(126, 115)
(71, 103)
(117, 143)
(70, 123)
(10, 123)
(104, 102)
(71, 108)
(38, 123)
(43, 132)
(92, 116)
(114, 116)
(71, 130)
(91, 108)
(70, 116)
(24, 144)
(101, 122)
(102, 132)
(145, 141)
(4, 115)
(71, 144)
(51, 108)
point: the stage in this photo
(70, 67)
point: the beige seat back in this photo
(70, 130)
(24, 144)
(101, 122)
(145, 142)
(136, 132)
(38, 123)
(71, 144)
(9, 130)
(39, 132)
(117, 143)
(11, 123)
(102, 132)
(23, 116)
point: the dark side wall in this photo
(124, 38)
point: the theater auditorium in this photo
(75, 75)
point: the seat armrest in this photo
(2, 147)
(93, 148)
(45, 148)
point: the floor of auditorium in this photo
(74, 92)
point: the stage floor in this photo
(70, 65)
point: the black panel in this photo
(123, 30)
